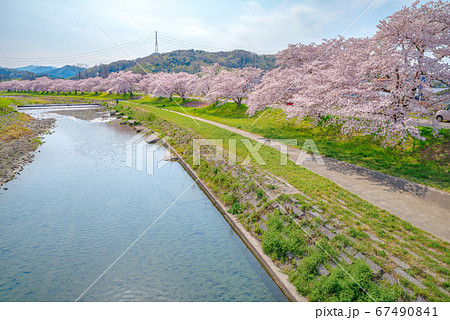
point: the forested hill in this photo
(188, 61)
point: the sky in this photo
(56, 33)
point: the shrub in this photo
(357, 234)
(236, 209)
(260, 193)
(274, 245)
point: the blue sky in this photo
(50, 32)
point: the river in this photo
(77, 207)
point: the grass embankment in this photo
(356, 221)
(426, 162)
(12, 123)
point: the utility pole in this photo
(156, 41)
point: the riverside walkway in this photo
(422, 206)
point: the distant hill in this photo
(189, 61)
(31, 72)
(37, 69)
(103, 70)
(9, 74)
(41, 70)
(65, 72)
(27, 68)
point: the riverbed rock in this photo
(140, 128)
(153, 138)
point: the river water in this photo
(74, 210)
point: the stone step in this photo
(400, 263)
(343, 257)
(322, 270)
(411, 279)
(153, 138)
(327, 233)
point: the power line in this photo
(185, 46)
(87, 55)
(189, 43)
(96, 54)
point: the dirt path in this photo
(424, 207)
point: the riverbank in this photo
(20, 136)
(422, 206)
(423, 162)
(252, 243)
(318, 235)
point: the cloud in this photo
(272, 30)
(55, 28)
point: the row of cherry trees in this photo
(121, 82)
(213, 83)
(367, 85)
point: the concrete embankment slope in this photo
(424, 207)
(252, 243)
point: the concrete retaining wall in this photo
(251, 242)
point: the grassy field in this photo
(426, 162)
(358, 220)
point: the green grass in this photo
(6, 106)
(13, 123)
(399, 237)
(426, 162)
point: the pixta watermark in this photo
(213, 149)
(143, 156)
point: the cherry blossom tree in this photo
(159, 84)
(410, 50)
(205, 80)
(183, 84)
(58, 85)
(235, 84)
(122, 82)
(163, 84)
(41, 84)
(277, 87)
(367, 85)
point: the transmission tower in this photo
(156, 41)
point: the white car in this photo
(443, 114)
